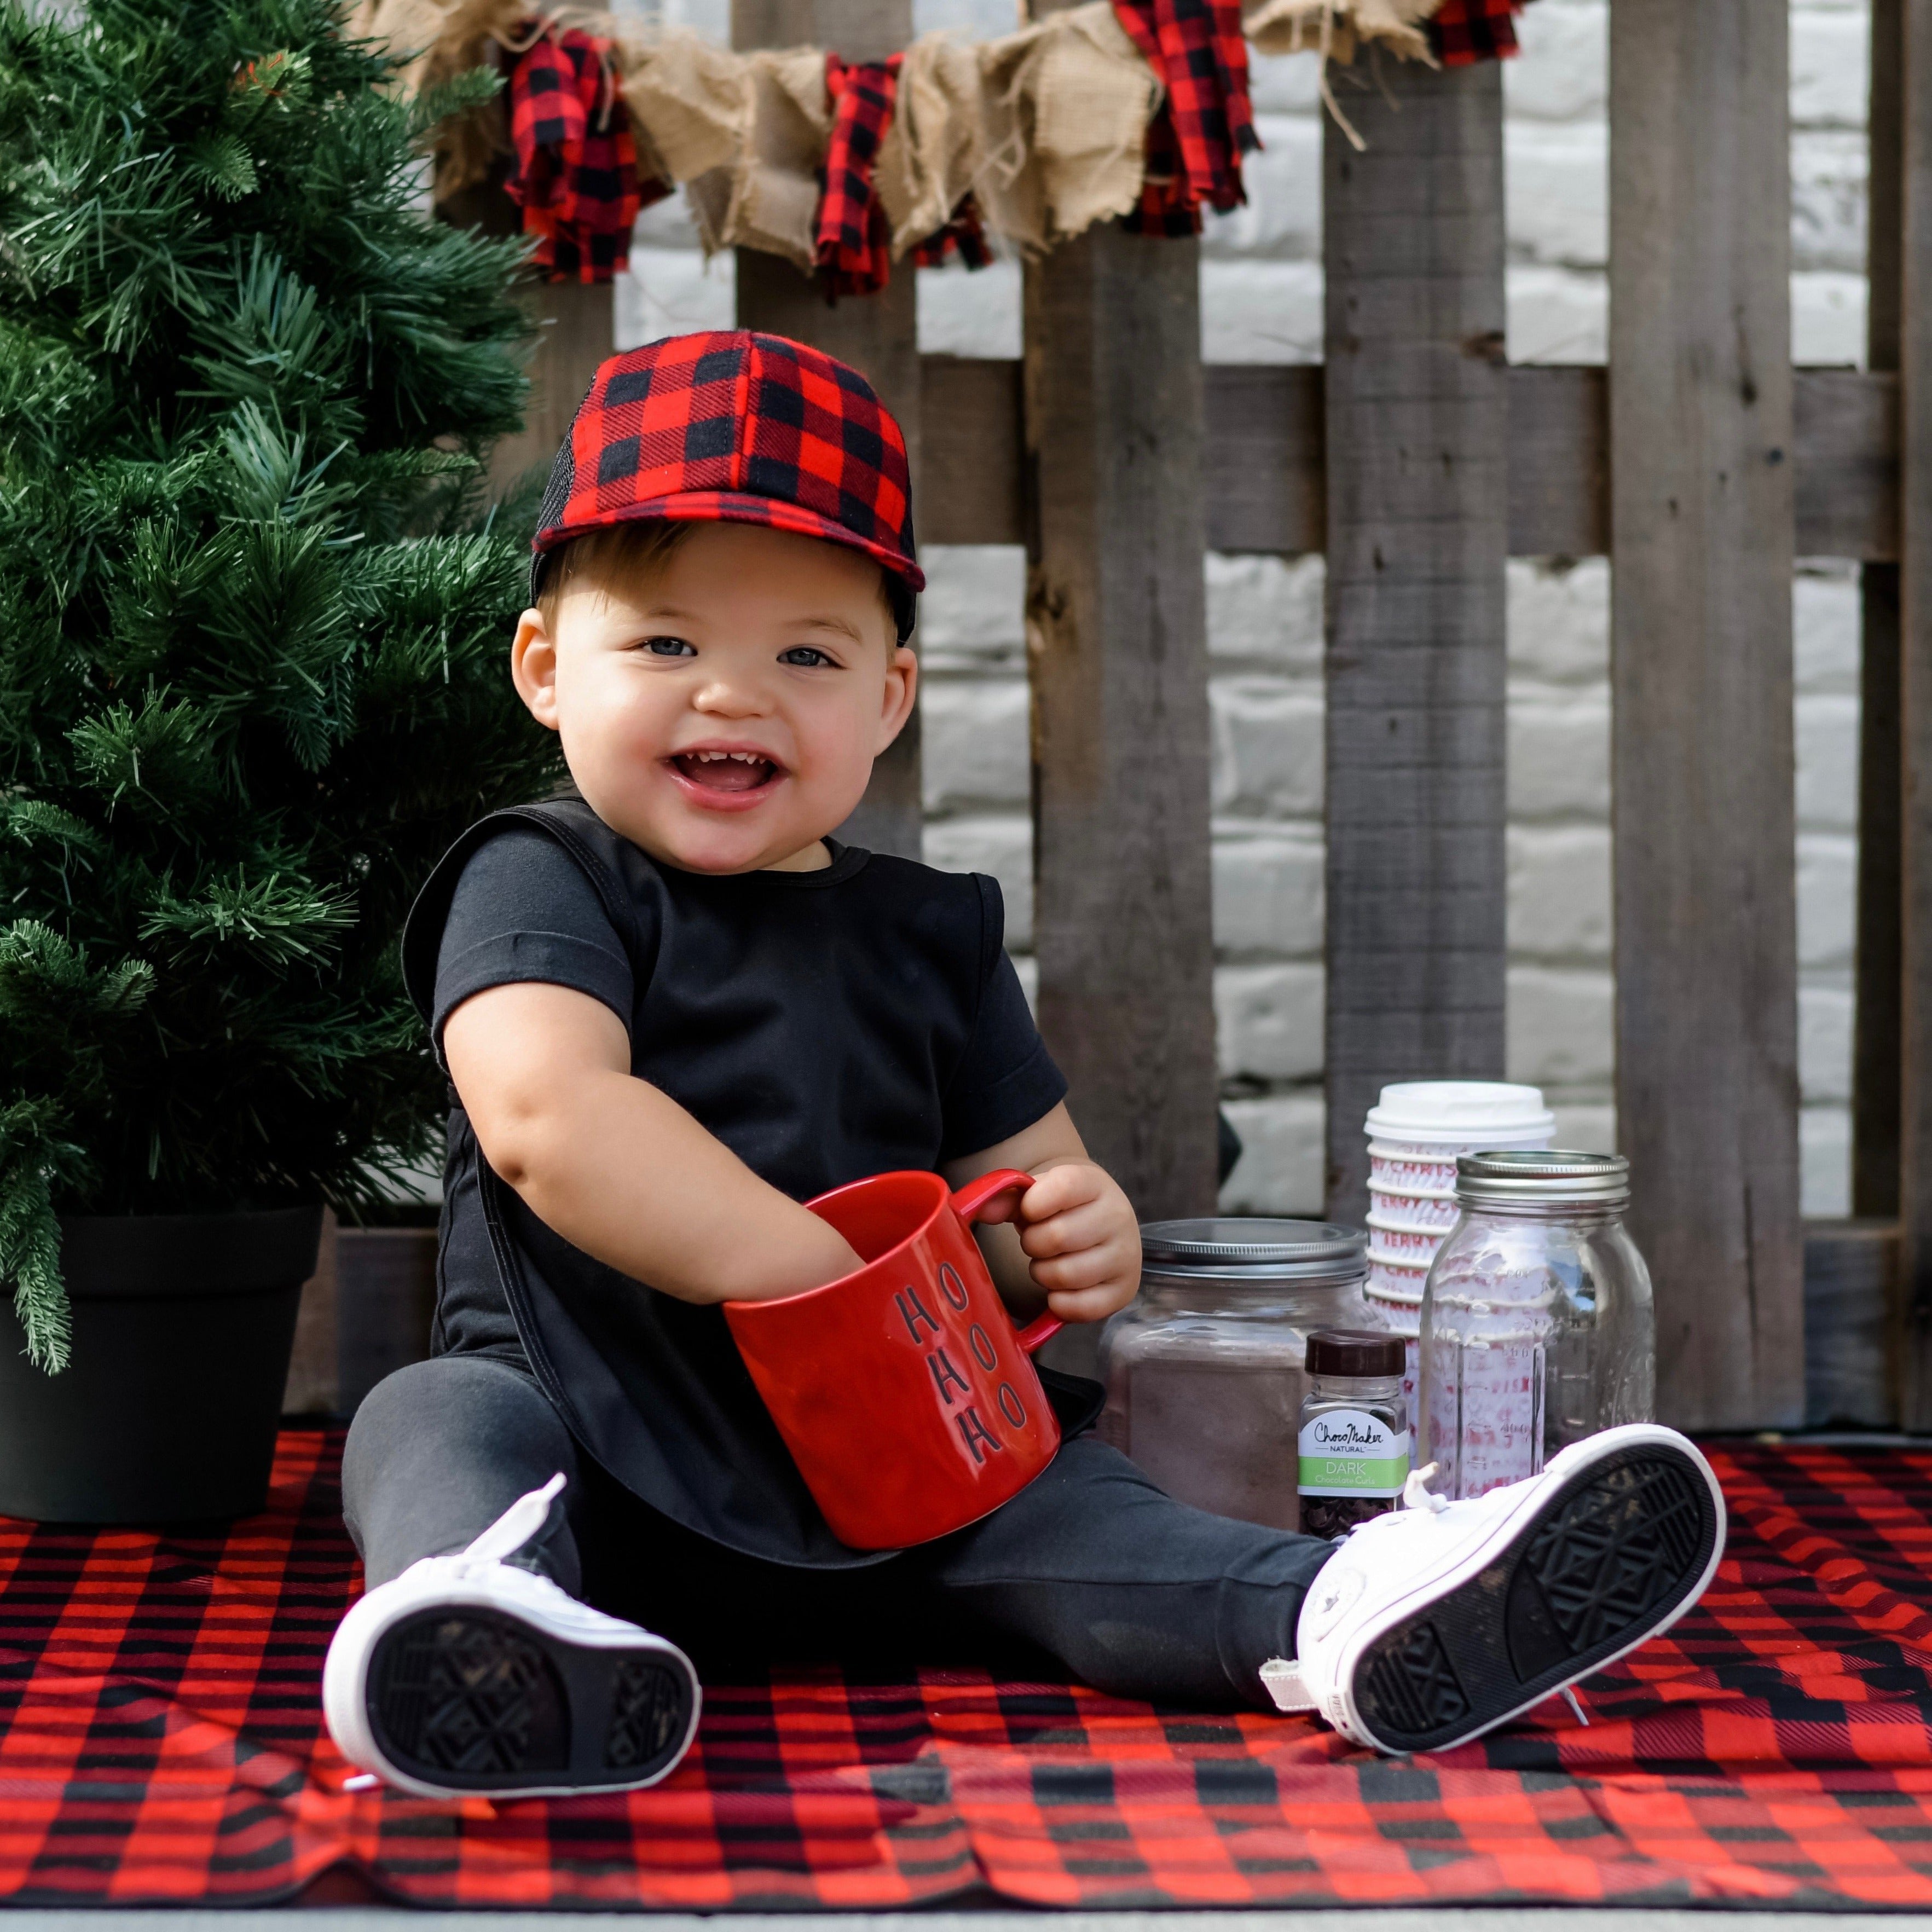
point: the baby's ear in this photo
(533, 667)
(901, 693)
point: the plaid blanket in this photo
(161, 1743)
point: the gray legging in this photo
(1132, 1592)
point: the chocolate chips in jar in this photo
(1353, 1439)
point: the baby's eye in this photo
(805, 654)
(668, 647)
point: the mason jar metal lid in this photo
(1551, 1177)
(1295, 1250)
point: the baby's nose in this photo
(732, 697)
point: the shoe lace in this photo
(1417, 1495)
(520, 1524)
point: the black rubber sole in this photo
(477, 1700)
(1610, 1555)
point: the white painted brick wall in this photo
(1261, 281)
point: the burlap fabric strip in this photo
(1065, 106)
(935, 149)
(1335, 28)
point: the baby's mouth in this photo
(725, 771)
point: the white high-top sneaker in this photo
(1436, 1622)
(468, 1674)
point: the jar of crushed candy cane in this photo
(1537, 1328)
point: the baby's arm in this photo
(617, 1168)
(1078, 1239)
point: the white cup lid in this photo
(1433, 1111)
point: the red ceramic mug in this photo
(904, 1391)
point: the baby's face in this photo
(723, 709)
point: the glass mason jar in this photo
(1205, 1371)
(1537, 1324)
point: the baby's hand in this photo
(1082, 1240)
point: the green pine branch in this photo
(254, 596)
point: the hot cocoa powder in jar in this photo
(1206, 1371)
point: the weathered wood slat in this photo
(313, 1384)
(1417, 410)
(972, 437)
(1559, 462)
(1846, 468)
(1264, 463)
(385, 1289)
(1875, 1035)
(877, 334)
(1916, 715)
(1851, 1282)
(1701, 430)
(1265, 484)
(578, 323)
(1116, 648)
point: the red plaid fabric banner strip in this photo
(1464, 31)
(576, 171)
(964, 235)
(854, 247)
(1205, 124)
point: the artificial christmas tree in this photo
(252, 620)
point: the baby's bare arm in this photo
(617, 1168)
(1074, 1237)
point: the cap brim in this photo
(732, 506)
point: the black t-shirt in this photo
(824, 1025)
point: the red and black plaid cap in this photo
(735, 427)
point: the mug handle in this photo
(970, 1202)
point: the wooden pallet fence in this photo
(1417, 461)
(877, 334)
(1914, 53)
(1265, 478)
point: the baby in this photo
(673, 1007)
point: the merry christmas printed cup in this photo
(904, 1391)
(1395, 1168)
(1416, 1213)
(1410, 1246)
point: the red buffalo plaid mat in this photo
(162, 1743)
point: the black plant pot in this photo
(182, 1328)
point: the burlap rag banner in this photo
(440, 39)
(1065, 106)
(935, 149)
(1046, 128)
(745, 133)
(1335, 28)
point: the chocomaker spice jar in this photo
(1205, 1372)
(1354, 1438)
(1536, 1323)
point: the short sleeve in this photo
(524, 910)
(1006, 1080)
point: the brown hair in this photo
(647, 543)
(622, 549)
